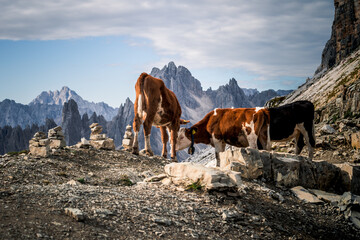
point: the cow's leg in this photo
(310, 129)
(299, 143)
(173, 138)
(136, 126)
(263, 141)
(219, 147)
(307, 135)
(164, 139)
(147, 131)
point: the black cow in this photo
(294, 120)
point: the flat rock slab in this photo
(332, 198)
(211, 178)
(304, 195)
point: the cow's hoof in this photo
(174, 159)
(149, 153)
(135, 151)
(164, 155)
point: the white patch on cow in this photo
(251, 137)
(215, 112)
(268, 143)
(147, 142)
(139, 109)
(157, 118)
(136, 142)
(258, 109)
(218, 144)
(182, 141)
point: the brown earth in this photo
(34, 194)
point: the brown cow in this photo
(240, 127)
(156, 105)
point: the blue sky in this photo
(99, 48)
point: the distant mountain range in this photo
(195, 103)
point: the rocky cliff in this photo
(345, 35)
(71, 122)
(334, 89)
(14, 139)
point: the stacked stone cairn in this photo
(99, 140)
(39, 145)
(56, 138)
(128, 139)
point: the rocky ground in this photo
(39, 198)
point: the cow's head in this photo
(184, 138)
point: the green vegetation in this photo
(348, 114)
(81, 180)
(343, 80)
(274, 102)
(196, 186)
(125, 180)
(334, 118)
(18, 153)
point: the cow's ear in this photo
(182, 121)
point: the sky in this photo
(98, 48)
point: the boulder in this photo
(286, 171)
(350, 177)
(291, 170)
(355, 140)
(248, 161)
(39, 151)
(97, 136)
(57, 143)
(106, 144)
(211, 178)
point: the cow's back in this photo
(232, 125)
(157, 97)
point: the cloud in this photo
(269, 38)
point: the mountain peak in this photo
(65, 89)
(171, 65)
(233, 82)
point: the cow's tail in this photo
(141, 104)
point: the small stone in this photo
(156, 178)
(75, 213)
(327, 129)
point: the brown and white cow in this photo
(240, 127)
(156, 105)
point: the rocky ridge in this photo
(65, 94)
